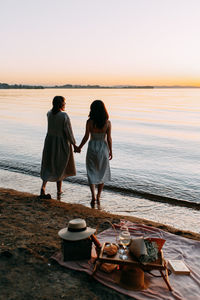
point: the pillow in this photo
(138, 247)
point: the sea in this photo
(156, 149)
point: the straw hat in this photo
(76, 230)
(132, 278)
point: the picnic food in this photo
(111, 249)
(108, 268)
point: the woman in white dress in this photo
(57, 158)
(99, 151)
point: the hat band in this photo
(77, 229)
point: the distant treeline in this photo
(19, 86)
(70, 86)
(78, 86)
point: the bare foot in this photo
(92, 203)
(42, 192)
(98, 199)
(43, 195)
(98, 202)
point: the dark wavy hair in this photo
(98, 114)
(58, 103)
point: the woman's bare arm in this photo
(109, 139)
(86, 136)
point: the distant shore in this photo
(77, 86)
(70, 86)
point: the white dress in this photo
(97, 159)
(57, 158)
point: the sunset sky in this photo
(106, 42)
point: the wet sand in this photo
(28, 239)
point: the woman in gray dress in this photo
(99, 151)
(57, 158)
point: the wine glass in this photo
(122, 228)
(124, 238)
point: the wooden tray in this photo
(159, 264)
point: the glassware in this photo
(124, 239)
(122, 228)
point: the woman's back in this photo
(94, 129)
(56, 123)
(99, 151)
(57, 158)
(97, 158)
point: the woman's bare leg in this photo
(100, 188)
(92, 189)
(42, 192)
(59, 187)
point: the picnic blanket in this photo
(185, 287)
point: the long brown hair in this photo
(58, 104)
(98, 114)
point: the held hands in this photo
(77, 149)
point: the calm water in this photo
(156, 148)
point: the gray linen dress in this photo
(57, 158)
(97, 159)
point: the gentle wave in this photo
(155, 166)
(34, 171)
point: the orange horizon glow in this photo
(193, 82)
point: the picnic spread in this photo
(142, 272)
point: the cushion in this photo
(138, 247)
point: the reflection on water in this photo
(155, 143)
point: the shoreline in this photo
(113, 202)
(29, 199)
(29, 237)
(125, 191)
(156, 198)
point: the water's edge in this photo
(115, 189)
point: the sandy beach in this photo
(29, 238)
